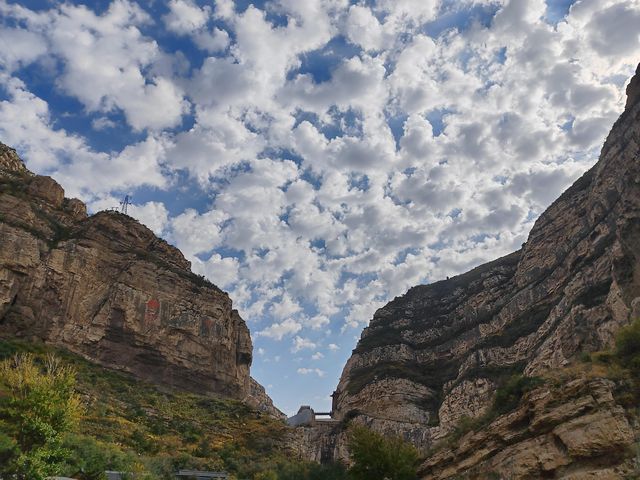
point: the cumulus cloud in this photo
(309, 371)
(318, 158)
(104, 59)
(185, 16)
(300, 343)
(223, 270)
(278, 331)
(613, 31)
(20, 47)
(137, 164)
(153, 214)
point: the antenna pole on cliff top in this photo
(124, 204)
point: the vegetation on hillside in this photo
(622, 364)
(506, 398)
(627, 351)
(37, 408)
(127, 425)
(377, 457)
(62, 415)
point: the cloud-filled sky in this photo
(317, 158)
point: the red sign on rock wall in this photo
(151, 312)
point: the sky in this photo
(317, 158)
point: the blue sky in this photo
(316, 159)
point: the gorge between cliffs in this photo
(104, 287)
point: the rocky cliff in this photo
(438, 353)
(573, 430)
(105, 287)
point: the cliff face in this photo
(438, 352)
(572, 431)
(105, 287)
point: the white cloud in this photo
(279, 330)
(317, 356)
(104, 58)
(137, 164)
(223, 271)
(25, 123)
(197, 233)
(615, 30)
(364, 29)
(152, 214)
(285, 307)
(300, 343)
(324, 189)
(185, 16)
(20, 47)
(309, 371)
(212, 41)
(102, 123)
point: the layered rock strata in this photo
(439, 352)
(104, 286)
(574, 431)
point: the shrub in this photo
(509, 395)
(132, 426)
(38, 406)
(89, 458)
(268, 475)
(377, 457)
(627, 350)
(585, 357)
(309, 471)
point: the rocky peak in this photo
(127, 234)
(633, 89)
(104, 286)
(46, 189)
(10, 162)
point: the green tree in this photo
(90, 458)
(508, 396)
(300, 470)
(38, 405)
(628, 347)
(375, 457)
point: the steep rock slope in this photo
(104, 286)
(438, 352)
(573, 430)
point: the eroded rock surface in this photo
(107, 288)
(571, 431)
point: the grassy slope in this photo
(163, 430)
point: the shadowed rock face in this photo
(106, 287)
(437, 353)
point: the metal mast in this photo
(124, 204)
